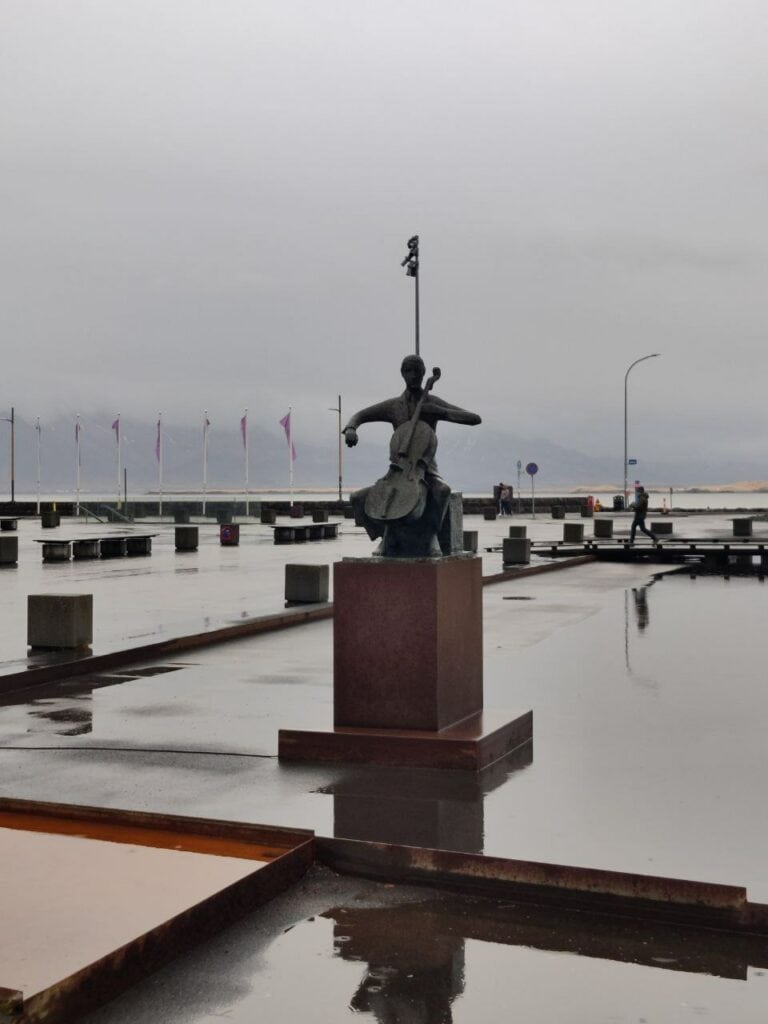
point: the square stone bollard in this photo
(516, 550)
(320, 515)
(181, 515)
(9, 524)
(306, 584)
(349, 513)
(296, 511)
(603, 528)
(558, 512)
(268, 516)
(586, 512)
(662, 527)
(490, 513)
(59, 621)
(223, 515)
(573, 533)
(186, 538)
(49, 520)
(742, 527)
(9, 550)
(470, 541)
(518, 531)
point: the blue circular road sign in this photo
(531, 469)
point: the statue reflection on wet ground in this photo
(431, 808)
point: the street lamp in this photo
(642, 359)
(12, 420)
(337, 408)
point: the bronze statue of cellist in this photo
(406, 507)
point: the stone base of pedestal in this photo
(470, 745)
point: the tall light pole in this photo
(642, 359)
(337, 408)
(12, 420)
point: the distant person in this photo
(641, 511)
(505, 498)
(598, 506)
(664, 507)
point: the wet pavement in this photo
(650, 712)
(339, 948)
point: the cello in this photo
(401, 495)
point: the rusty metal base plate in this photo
(471, 744)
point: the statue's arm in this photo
(443, 410)
(379, 413)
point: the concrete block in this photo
(49, 520)
(573, 533)
(320, 515)
(662, 527)
(82, 549)
(9, 550)
(229, 535)
(57, 551)
(518, 531)
(187, 538)
(306, 584)
(224, 515)
(742, 527)
(114, 547)
(490, 512)
(516, 550)
(60, 621)
(470, 541)
(603, 528)
(138, 546)
(296, 512)
(181, 515)
(558, 512)
(349, 513)
(330, 531)
(268, 516)
(9, 524)
(284, 534)
(586, 512)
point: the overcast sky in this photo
(205, 204)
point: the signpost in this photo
(631, 462)
(519, 468)
(532, 469)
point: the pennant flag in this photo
(411, 261)
(157, 442)
(77, 431)
(244, 428)
(285, 423)
(116, 428)
(206, 424)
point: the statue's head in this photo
(413, 369)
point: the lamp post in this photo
(12, 420)
(337, 408)
(642, 359)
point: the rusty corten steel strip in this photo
(699, 903)
(108, 977)
(171, 831)
(102, 980)
(534, 570)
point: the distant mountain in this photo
(471, 460)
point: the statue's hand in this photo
(350, 436)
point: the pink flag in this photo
(116, 428)
(285, 423)
(157, 442)
(244, 428)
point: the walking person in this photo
(641, 511)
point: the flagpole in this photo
(160, 462)
(77, 466)
(119, 462)
(290, 451)
(205, 457)
(37, 428)
(245, 442)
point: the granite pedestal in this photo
(59, 621)
(573, 533)
(603, 528)
(9, 550)
(408, 670)
(186, 538)
(518, 531)
(516, 550)
(229, 535)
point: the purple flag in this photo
(157, 442)
(285, 423)
(244, 428)
(116, 428)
